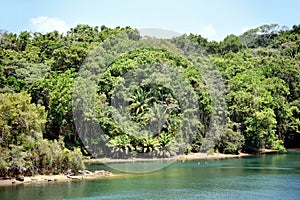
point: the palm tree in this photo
(165, 149)
(159, 118)
(150, 145)
(139, 106)
(121, 146)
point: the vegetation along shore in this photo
(46, 130)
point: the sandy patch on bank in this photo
(87, 175)
(191, 156)
(56, 178)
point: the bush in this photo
(231, 142)
(23, 150)
(279, 145)
(3, 163)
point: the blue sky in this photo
(212, 19)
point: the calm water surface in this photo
(262, 177)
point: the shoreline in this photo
(293, 150)
(98, 174)
(191, 156)
(41, 179)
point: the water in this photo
(262, 177)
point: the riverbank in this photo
(85, 175)
(294, 150)
(191, 156)
(199, 179)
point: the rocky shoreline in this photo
(84, 175)
(88, 175)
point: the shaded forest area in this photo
(260, 70)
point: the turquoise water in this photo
(262, 177)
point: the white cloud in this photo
(208, 31)
(47, 24)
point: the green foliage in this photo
(261, 36)
(60, 117)
(260, 132)
(18, 117)
(23, 149)
(279, 146)
(231, 43)
(153, 106)
(261, 83)
(260, 70)
(121, 146)
(69, 57)
(232, 141)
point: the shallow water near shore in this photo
(274, 176)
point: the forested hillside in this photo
(260, 71)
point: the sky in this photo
(213, 19)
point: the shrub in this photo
(231, 142)
(279, 145)
(23, 150)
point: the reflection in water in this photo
(263, 177)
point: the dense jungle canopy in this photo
(39, 132)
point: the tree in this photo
(260, 132)
(23, 149)
(261, 36)
(60, 116)
(260, 70)
(231, 141)
(231, 43)
(19, 118)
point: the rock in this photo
(102, 173)
(20, 178)
(69, 173)
(6, 177)
(87, 172)
(99, 172)
(84, 172)
(75, 177)
(108, 174)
